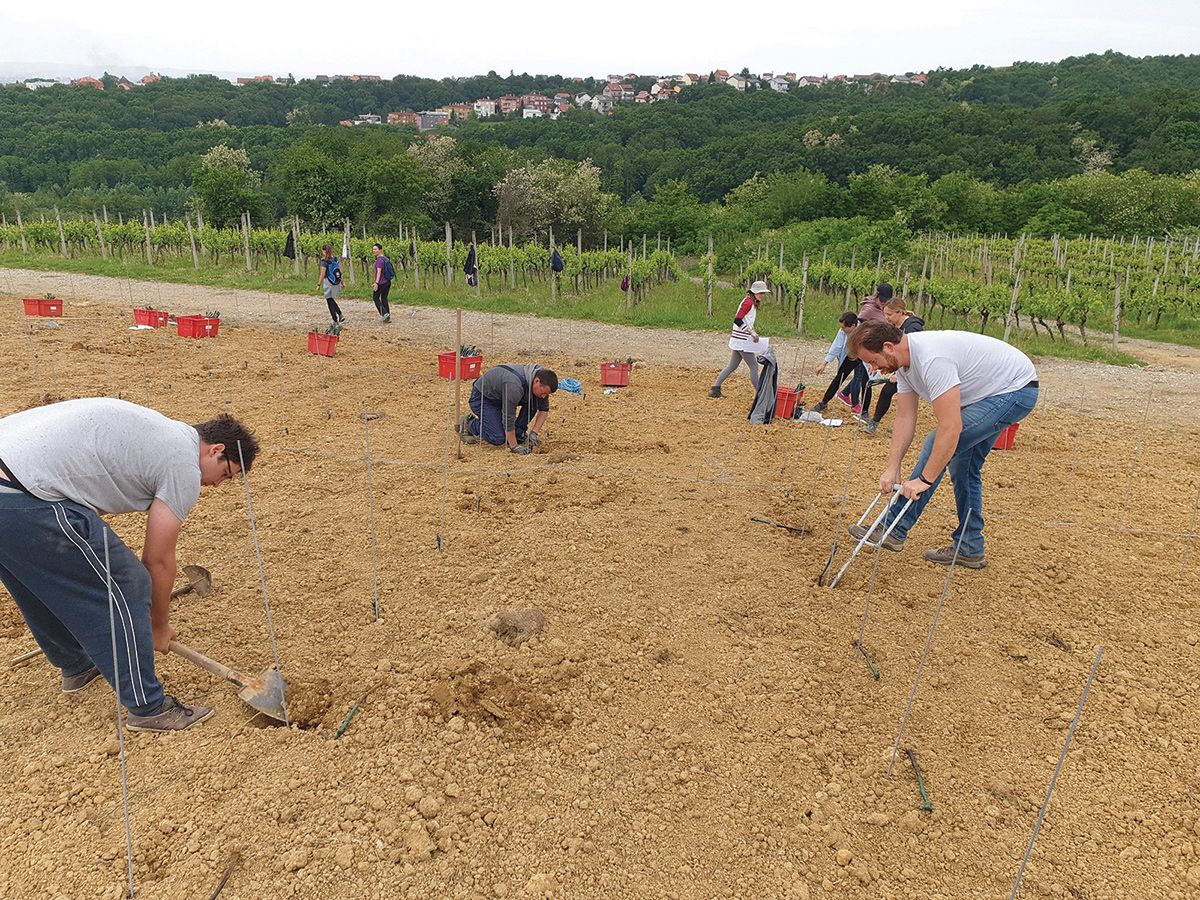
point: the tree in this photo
(225, 187)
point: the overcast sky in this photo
(437, 40)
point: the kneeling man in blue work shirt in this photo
(501, 403)
(978, 386)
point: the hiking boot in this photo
(870, 426)
(464, 430)
(73, 683)
(844, 398)
(945, 556)
(891, 542)
(820, 407)
(715, 391)
(174, 717)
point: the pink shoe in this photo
(844, 397)
(857, 409)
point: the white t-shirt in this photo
(980, 366)
(108, 455)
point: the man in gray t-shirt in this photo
(61, 467)
(502, 402)
(978, 386)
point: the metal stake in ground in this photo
(1075, 455)
(370, 494)
(817, 476)
(1062, 756)
(112, 628)
(1191, 528)
(928, 641)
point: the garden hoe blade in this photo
(264, 692)
(199, 580)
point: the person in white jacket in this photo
(743, 338)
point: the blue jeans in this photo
(982, 423)
(488, 423)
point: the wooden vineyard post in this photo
(455, 376)
(346, 252)
(99, 236)
(246, 238)
(146, 226)
(21, 228)
(708, 283)
(296, 232)
(449, 268)
(1012, 307)
(1116, 315)
(475, 256)
(512, 261)
(62, 239)
(629, 283)
(192, 240)
(850, 280)
(803, 292)
(553, 274)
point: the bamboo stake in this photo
(708, 290)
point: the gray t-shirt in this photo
(108, 455)
(979, 365)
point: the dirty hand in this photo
(533, 439)
(521, 448)
(162, 637)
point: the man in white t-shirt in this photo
(61, 467)
(978, 386)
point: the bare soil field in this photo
(691, 720)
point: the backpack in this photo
(389, 271)
(625, 283)
(334, 271)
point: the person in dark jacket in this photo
(897, 314)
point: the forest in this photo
(1104, 144)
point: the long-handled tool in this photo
(264, 691)
(870, 531)
(199, 580)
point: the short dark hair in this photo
(872, 336)
(378, 247)
(847, 318)
(227, 430)
(548, 377)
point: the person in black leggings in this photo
(898, 315)
(837, 350)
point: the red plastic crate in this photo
(615, 374)
(39, 306)
(1007, 436)
(196, 326)
(151, 317)
(786, 400)
(468, 366)
(322, 344)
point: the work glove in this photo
(533, 439)
(521, 448)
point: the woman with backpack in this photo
(384, 273)
(330, 282)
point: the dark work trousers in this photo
(886, 393)
(488, 423)
(52, 562)
(380, 296)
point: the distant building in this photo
(779, 84)
(88, 81)
(810, 81)
(737, 81)
(485, 108)
(535, 101)
(368, 119)
(151, 78)
(583, 99)
(263, 78)
(402, 118)
(35, 83)
(530, 112)
(508, 103)
(433, 119)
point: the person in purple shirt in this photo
(383, 283)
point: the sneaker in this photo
(845, 398)
(820, 407)
(386, 317)
(870, 426)
(891, 542)
(945, 556)
(73, 683)
(341, 320)
(174, 717)
(715, 391)
(856, 409)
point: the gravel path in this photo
(1170, 380)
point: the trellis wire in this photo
(370, 493)
(112, 629)
(1075, 455)
(817, 474)
(928, 641)
(1137, 451)
(262, 577)
(1061, 757)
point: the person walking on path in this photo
(502, 400)
(837, 353)
(898, 315)
(63, 466)
(330, 283)
(743, 338)
(384, 274)
(978, 386)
